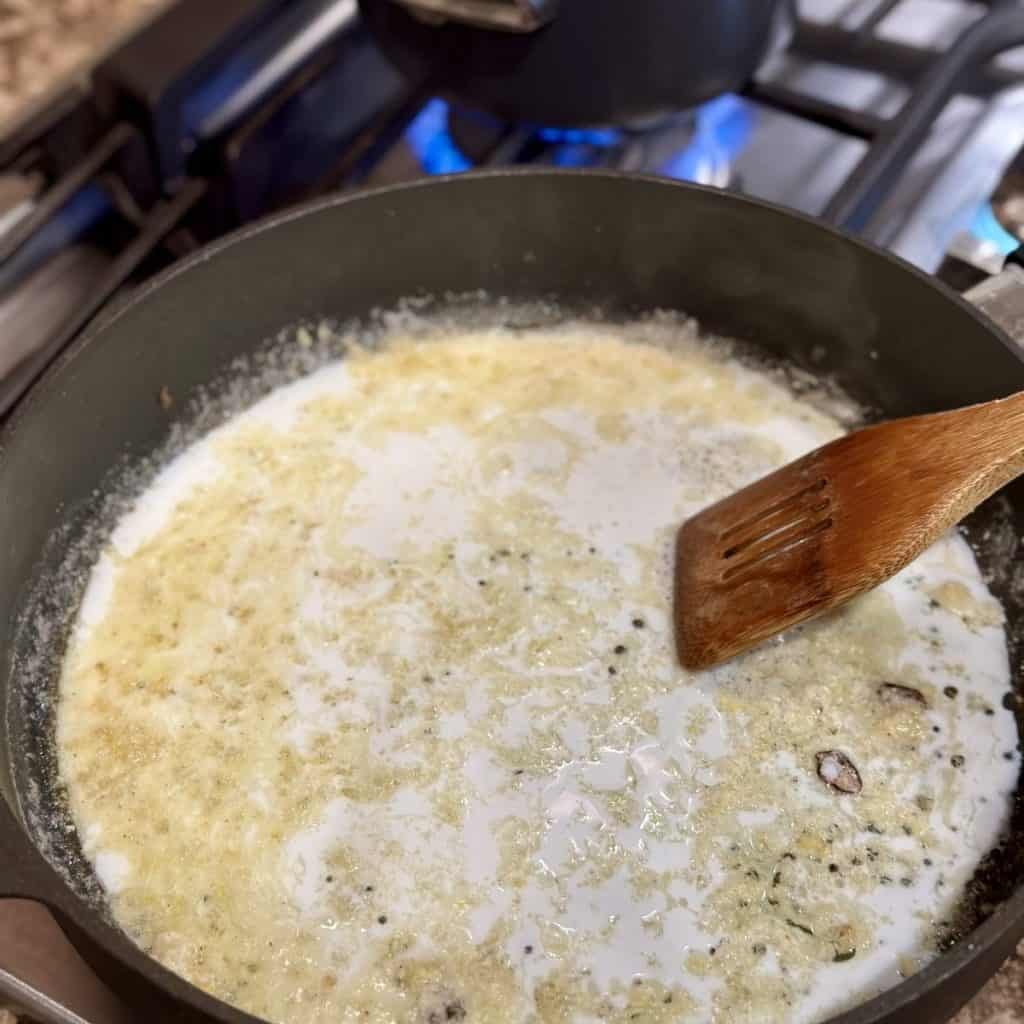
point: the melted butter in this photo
(372, 711)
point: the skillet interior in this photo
(593, 243)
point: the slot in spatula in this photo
(834, 524)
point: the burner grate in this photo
(178, 139)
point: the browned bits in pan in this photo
(897, 695)
(449, 1009)
(837, 771)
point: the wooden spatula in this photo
(834, 524)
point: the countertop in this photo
(42, 42)
(1001, 1001)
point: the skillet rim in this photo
(1004, 920)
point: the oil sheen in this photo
(371, 711)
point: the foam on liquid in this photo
(372, 711)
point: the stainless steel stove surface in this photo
(899, 118)
(764, 145)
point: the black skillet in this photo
(799, 291)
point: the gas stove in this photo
(902, 119)
(216, 114)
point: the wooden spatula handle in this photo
(981, 447)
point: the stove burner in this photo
(697, 146)
(722, 128)
(429, 138)
(474, 133)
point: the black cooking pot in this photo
(577, 62)
(894, 338)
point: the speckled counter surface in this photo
(1001, 1001)
(42, 42)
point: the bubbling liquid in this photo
(372, 713)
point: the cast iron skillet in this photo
(892, 337)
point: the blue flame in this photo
(988, 229)
(430, 140)
(573, 156)
(602, 137)
(724, 126)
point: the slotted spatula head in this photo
(834, 524)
